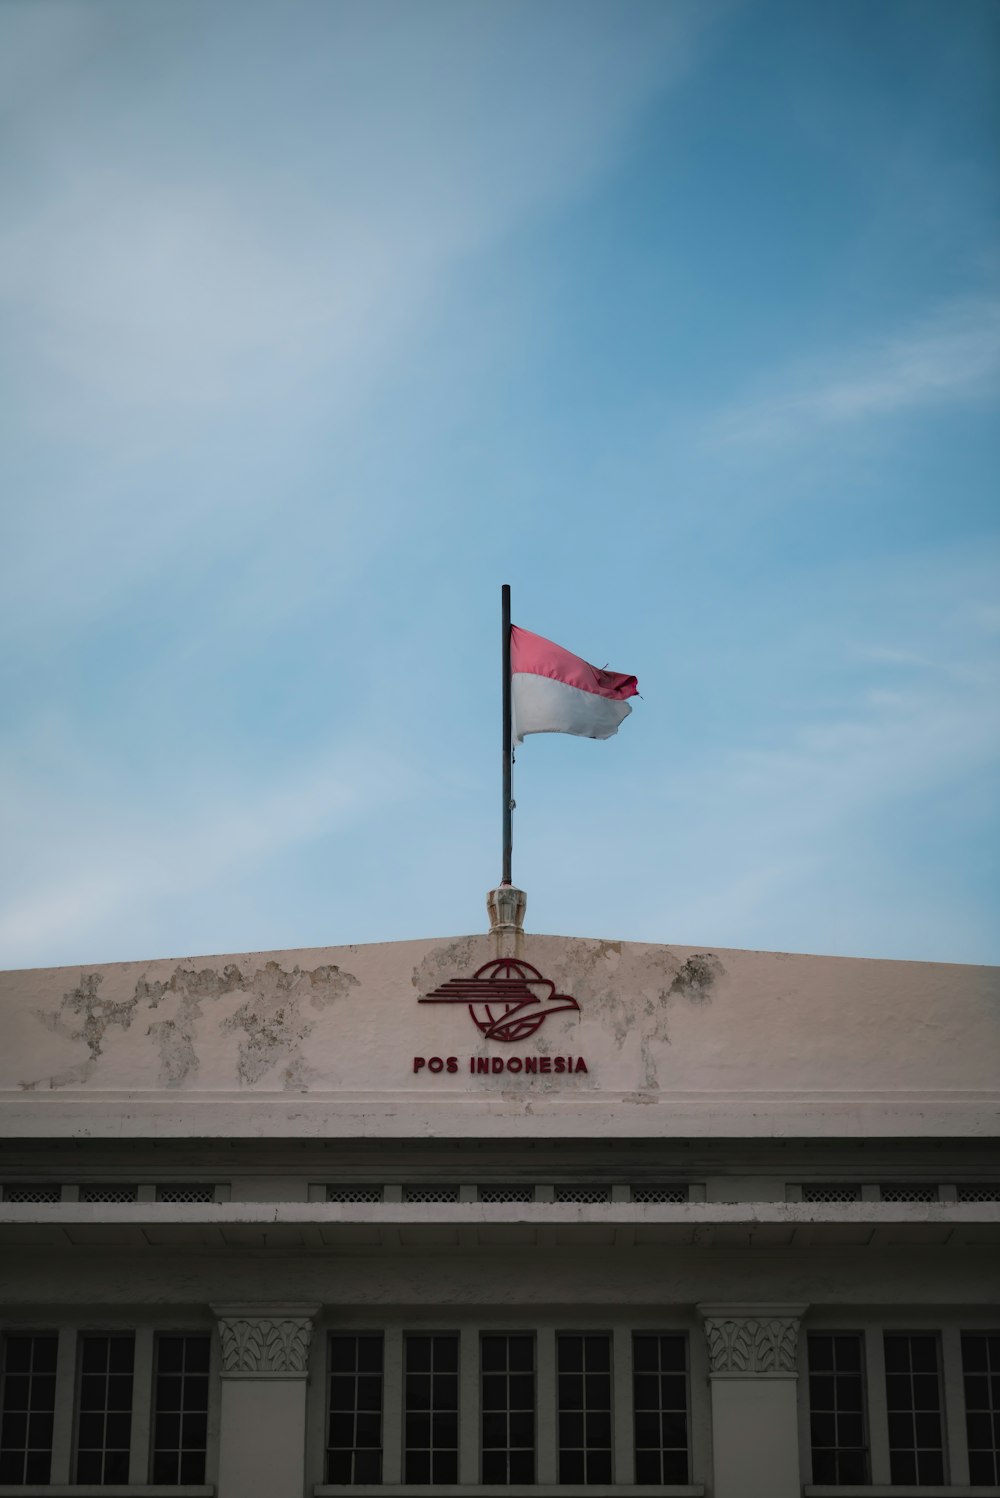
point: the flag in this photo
(553, 691)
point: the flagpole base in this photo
(506, 906)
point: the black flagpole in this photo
(508, 748)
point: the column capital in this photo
(265, 1341)
(747, 1341)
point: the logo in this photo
(507, 999)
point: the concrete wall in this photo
(676, 1042)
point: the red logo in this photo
(507, 999)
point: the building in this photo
(500, 1213)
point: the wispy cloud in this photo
(951, 356)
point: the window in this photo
(913, 1400)
(986, 1191)
(836, 1408)
(584, 1367)
(354, 1446)
(831, 1193)
(180, 1409)
(104, 1419)
(27, 1402)
(29, 1194)
(430, 1193)
(981, 1366)
(508, 1404)
(660, 1398)
(908, 1193)
(589, 1195)
(431, 1408)
(657, 1195)
(182, 1195)
(500, 1194)
(115, 1194)
(354, 1193)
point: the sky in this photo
(321, 320)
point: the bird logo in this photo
(507, 999)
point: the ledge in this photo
(112, 1490)
(537, 1490)
(898, 1490)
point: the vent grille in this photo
(584, 1195)
(499, 1195)
(908, 1193)
(430, 1194)
(185, 1195)
(984, 1192)
(26, 1194)
(363, 1194)
(830, 1193)
(658, 1195)
(109, 1194)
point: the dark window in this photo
(109, 1194)
(185, 1195)
(430, 1194)
(431, 1408)
(908, 1193)
(584, 1370)
(836, 1408)
(913, 1401)
(508, 1404)
(659, 1195)
(180, 1409)
(27, 1400)
(354, 1444)
(985, 1191)
(981, 1366)
(355, 1194)
(26, 1195)
(104, 1415)
(589, 1196)
(829, 1192)
(501, 1194)
(660, 1399)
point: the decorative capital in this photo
(747, 1341)
(506, 906)
(265, 1342)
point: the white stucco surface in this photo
(676, 1042)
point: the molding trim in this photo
(746, 1341)
(265, 1341)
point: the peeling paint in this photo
(696, 978)
(272, 1025)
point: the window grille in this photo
(660, 1399)
(658, 1195)
(367, 1194)
(908, 1193)
(27, 1403)
(354, 1433)
(431, 1408)
(430, 1193)
(981, 1366)
(104, 1423)
(109, 1194)
(508, 1405)
(836, 1409)
(183, 1195)
(36, 1193)
(584, 1371)
(913, 1400)
(587, 1195)
(831, 1193)
(180, 1409)
(984, 1192)
(501, 1194)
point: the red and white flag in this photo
(553, 691)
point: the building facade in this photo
(496, 1214)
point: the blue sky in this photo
(320, 321)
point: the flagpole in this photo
(508, 748)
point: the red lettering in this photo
(581, 1065)
(560, 1063)
(482, 1065)
(496, 1063)
(435, 1064)
(453, 1064)
(531, 1063)
(418, 1062)
(514, 1064)
(545, 1064)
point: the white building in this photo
(719, 1223)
